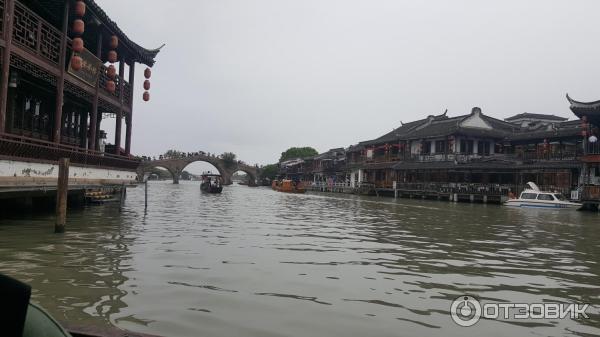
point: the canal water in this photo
(254, 262)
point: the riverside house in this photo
(474, 154)
(67, 69)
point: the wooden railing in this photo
(32, 33)
(592, 148)
(36, 35)
(477, 188)
(464, 158)
(18, 147)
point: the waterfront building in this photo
(589, 119)
(297, 169)
(330, 167)
(471, 152)
(66, 69)
(473, 148)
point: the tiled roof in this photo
(535, 116)
(143, 55)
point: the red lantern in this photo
(114, 42)
(146, 85)
(111, 72)
(112, 56)
(583, 133)
(78, 26)
(80, 8)
(78, 45)
(146, 96)
(76, 62)
(111, 86)
(147, 73)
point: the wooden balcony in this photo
(27, 149)
(476, 188)
(38, 42)
(465, 158)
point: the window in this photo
(483, 148)
(440, 146)
(426, 148)
(470, 147)
(546, 197)
(528, 195)
(560, 197)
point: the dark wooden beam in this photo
(120, 113)
(129, 116)
(9, 9)
(94, 114)
(60, 81)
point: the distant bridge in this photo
(175, 166)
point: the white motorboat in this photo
(532, 197)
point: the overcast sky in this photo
(255, 77)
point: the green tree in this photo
(229, 159)
(174, 154)
(298, 152)
(269, 172)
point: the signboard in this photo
(369, 154)
(90, 68)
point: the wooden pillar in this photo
(62, 189)
(94, 114)
(120, 113)
(9, 9)
(60, 81)
(84, 128)
(129, 117)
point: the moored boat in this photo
(533, 197)
(211, 183)
(288, 186)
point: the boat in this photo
(211, 183)
(533, 197)
(287, 186)
(20, 317)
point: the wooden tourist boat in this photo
(211, 183)
(287, 186)
(533, 197)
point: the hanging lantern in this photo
(112, 56)
(80, 8)
(76, 62)
(111, 72)
(147, 85)
(78, 27)
(584, 119)
(111, 86)
(114, 42)
(147, 73)
(78, 45)
(146, 96)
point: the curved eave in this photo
(139, 53)
(581, 109)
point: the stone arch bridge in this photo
(175, 166)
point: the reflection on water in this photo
(253, 262)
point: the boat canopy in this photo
(532, 186)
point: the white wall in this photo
(11, 171)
